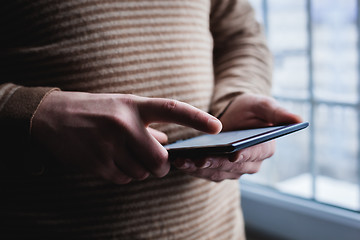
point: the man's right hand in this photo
(108, 134)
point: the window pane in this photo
(287, 37)
(285, 170)
(293, 155)
(287, 25)
(335, 50)
(336, 149)
(322, 162)
(285, 82)
(258, 5)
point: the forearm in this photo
(242, 60)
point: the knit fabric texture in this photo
(201, 52)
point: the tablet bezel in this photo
(236, 145)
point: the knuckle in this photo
(156, 165)
(235, 169)
(253, 170)
(116, 104)
(191, 169)
(263, 103)
(196, 116)
(237, 176)
(170, 105)
(162, 171)
(216, 177)
(271, 149)
(128, 99)
(119, 118)
(160, 159)
(218, 180)
(121, 124)
(246, 157)
(122, 181)
(215, 163)
(270, 154)
(114, 176)
(116, 119)
(119, 179)
(126, 107)
(160, 165)
(141, 175)
(238, 168)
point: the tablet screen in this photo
(223, 138)
(227, 142)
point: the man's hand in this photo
(246, 111)
(108, 134)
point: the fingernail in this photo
(214, 123)
(186, 164)
(240, 158)
(179, 163)
(206, 164)
(182, 164)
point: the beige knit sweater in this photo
(198, 51)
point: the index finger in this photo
(173, 111)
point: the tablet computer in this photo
(229, 142)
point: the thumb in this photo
(282, 116)
(273, 113)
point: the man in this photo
(91, 89)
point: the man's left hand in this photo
(246, 111)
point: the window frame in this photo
(282, 216)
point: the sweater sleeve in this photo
(17, 106)
(242, 61)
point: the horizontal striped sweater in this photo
(197, 51)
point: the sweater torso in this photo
(147, 48)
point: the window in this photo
(316, 49)
(316, 75)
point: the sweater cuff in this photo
(21, 106)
